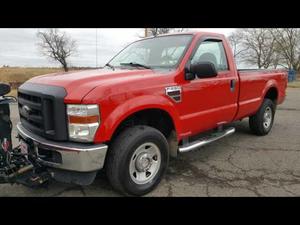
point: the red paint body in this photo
(205, 102)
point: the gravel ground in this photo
(239, 165)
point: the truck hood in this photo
(80, 83)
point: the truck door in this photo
(209, 102)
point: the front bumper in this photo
(73, 156)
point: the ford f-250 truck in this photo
(158, 97)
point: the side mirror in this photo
(203, 69)
(4, 89)
(188, 75)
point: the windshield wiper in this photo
(133, 64)
(110, 66)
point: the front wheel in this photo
(261, 123)
(137, 160)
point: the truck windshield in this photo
(157, 52)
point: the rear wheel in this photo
(261, 123)
(137, 160)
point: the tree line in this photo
(158, 31)
(267, 47)
(260, 47)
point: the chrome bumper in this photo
(74, 156)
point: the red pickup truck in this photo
(158, 97)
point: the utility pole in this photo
(146, 32)
(96, 48)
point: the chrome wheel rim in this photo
(267, 118)
(145, 163)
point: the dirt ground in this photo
(239, 165)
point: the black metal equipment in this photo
(19, 164)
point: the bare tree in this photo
(180, 30)
(288, 46)
(260, 45)
(56, 45)
(254, 46)
(158, 31)
(236, 40)
(278, 58)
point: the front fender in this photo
(121, 112)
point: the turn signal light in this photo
(84, 119)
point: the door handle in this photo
(232, 85)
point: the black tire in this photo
(256, 121)
(120, 155)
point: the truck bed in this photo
(253, 86)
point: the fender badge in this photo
(174, 92)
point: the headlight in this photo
(83, 121)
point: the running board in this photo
(206, 140)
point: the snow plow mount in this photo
(19, 168)
(17, 165)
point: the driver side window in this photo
(211, 51)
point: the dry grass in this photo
(295, 84)
(13, 93)
(19, 74)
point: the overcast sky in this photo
(18, 46)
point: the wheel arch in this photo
(271, 91)
(132, 107)
(272, 94)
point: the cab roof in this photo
(194, 33)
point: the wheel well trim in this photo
(271, 84)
